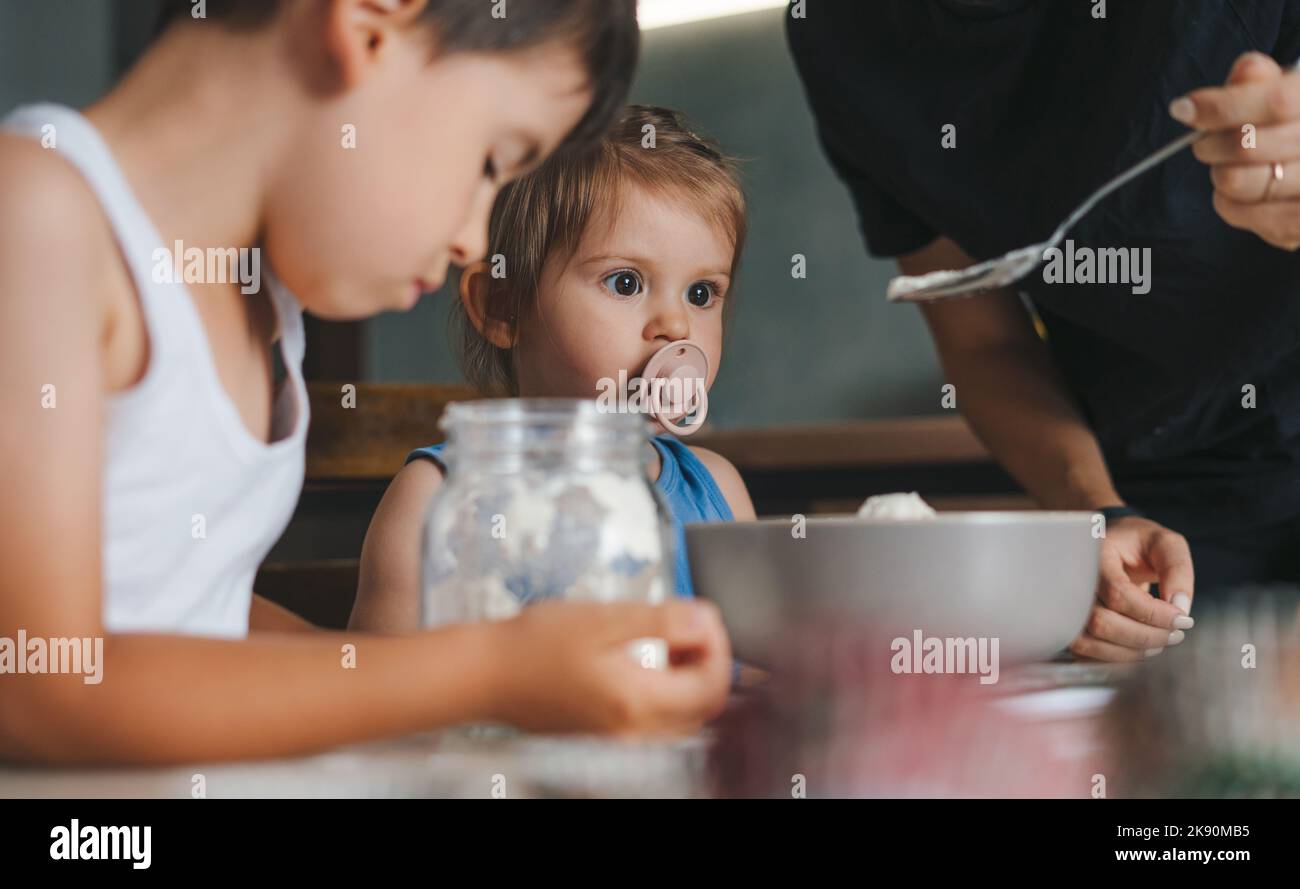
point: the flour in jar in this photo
(589, 537)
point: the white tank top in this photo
(192, 502)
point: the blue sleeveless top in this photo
(685, 483)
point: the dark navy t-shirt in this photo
(1048, 103)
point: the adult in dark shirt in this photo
(967, 128)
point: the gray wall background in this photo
(57, 50)
(826, 347)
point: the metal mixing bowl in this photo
(1026, 578)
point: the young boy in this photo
(146, 463)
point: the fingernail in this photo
(1182, 110)
(1176, 636)
(1152, 652)
(1182, 603)
(1183, 623)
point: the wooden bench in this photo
(360, 437)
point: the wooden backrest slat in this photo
(371, 439)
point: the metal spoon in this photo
(1015, 265)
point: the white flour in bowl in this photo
(908, 507)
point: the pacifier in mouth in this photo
(675, 378)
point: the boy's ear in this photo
(357, 31)
(474, 297)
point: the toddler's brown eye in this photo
(623, 283)
(699, 294)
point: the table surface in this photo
(459, 764)
(436, 764)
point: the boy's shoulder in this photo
(56, 263)
(48, 212)
(37, 180)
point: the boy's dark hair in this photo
(603, 32)
(543, 215)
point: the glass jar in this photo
(544, 498)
